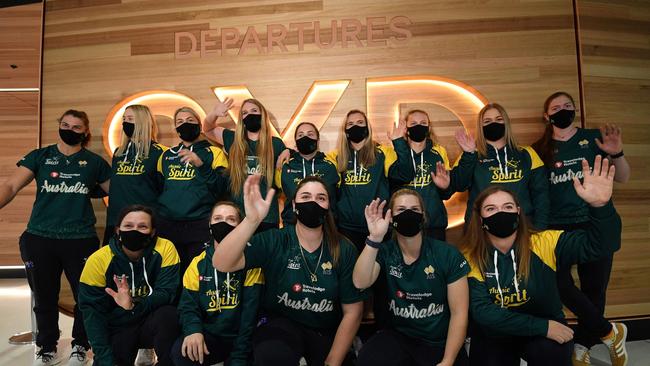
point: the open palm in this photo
(465, 140)
(256, 207)
(376, 220)
(440, 176)
(597, 185)
(612, 142)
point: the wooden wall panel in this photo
(20, 45)
(615, 44)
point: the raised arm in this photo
(366, 269)
(210, 128)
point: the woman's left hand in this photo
(283, 158)
(191, 157)
(123, 295)
(596, 188)
(612, 142)
(441, 177)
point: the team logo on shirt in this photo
(395, 271)
(413, 312)
(78, 188)
(511, 298)
(358, 178)
(558, 164)
(400, 294)
(181, 172)
(430, 272)
(54, 174)
(323, 306)
(583, 143)
(297, 180)
(294, 263)
(513, 174)
(297, 287)
(51, 161)
(129, 168)
(83, 163)
(327, 268)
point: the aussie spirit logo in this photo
(129, 168)
(181, 172)
(412, 312)
(510, 300)
(77, 188)
(361, 177)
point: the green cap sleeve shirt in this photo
(417, 293)
(290, 291)
(253, 167)
(62, 209)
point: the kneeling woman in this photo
(218, 310)
(513, 293)
(126, 291)
(313, 308)
(427, 288)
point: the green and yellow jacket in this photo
(222, 304)
(189, 193)
(507, 306)
(154, 281)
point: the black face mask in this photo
(189, 131)
(220, 230)
(408, 222)
(310, 214)
(128, 128)
(253, 122)
(494, 131)
(357, 134)
(134, 240)
(70, 137)
(418, 133)
(306, 145)
(562, 118)
(501, 224)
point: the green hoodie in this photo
(134, 180)
(424, 163)
(523, 307)
(102, 316)
(186, 195)
(229, 311)
(297, 169)
(520, 170)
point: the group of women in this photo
(196, 266)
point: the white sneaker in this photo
(78, 356)
(46, 358)
(146, 357)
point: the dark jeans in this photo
(189, 237)
(507, 351)
(392, 348)
(281, 341)
(588, 302)
(45, 259)
(159, 330)
(218, 347)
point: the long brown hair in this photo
(331, 235)
(367, 155)
(239, 151)
(481, 142)
(432, 135)
(408, 192)
(475, 242)
(544, 146)
(84, 118)
(145, 130)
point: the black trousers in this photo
(218, 347)
(158, 330)
(45, 259)
(189, 237)
(587, 302)
(391, 348)
(281, 341)
(507, 351)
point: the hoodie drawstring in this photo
(146, 279)
(132, 280)
(355, 165)
(505, 151)
(514, 268)
(216, 285)
(304, 171)
(415, 169)
(514, 278)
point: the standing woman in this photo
(60, 234)
(134, 177)
(430, 162)
(193, 179)
(501, 161)
(513, 294)
(313, 308)
(307, 161)
(427, 288)
(562, 147)
(251, 148)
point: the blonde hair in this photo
(367, 155)
(432, 135)
(481, 142)
(145, 129)
(475, 242)
(239, 151)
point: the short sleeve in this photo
(278, 147)
(103, 170)
(228, 138)
(458, 266)
(30, 161)
(347, 291)
(262, 248)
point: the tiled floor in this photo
(15, 317)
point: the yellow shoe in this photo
(580, 356)
(615, 343)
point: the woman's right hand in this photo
(559, 332)
(465, 140)
(256, 208)
(377, 221)
(194, 347)
(219, 110)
